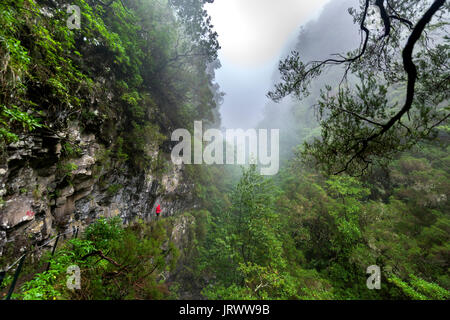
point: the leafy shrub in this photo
(103, 231)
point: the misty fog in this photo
(250, 69)
(253, 36)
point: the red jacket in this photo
(158, 209)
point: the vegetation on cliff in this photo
(138, 69)
(134, 71)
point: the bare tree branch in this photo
(385, 17)
(100, 254)
(411, 70)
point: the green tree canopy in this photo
(404, 47)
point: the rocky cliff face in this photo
(85, 113)
(43, 194)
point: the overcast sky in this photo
(253, 34)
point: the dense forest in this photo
(364, 147)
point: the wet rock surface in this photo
(43, 193)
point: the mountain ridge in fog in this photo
(333, 31)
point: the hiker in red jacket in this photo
(158, 210)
